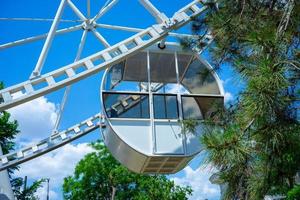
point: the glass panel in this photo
(129, 75)
(159, 107)
(200, 107)
(162, 68)
(126, 105)
(136, 68)
(165, 106)
(183, 63)
(198, 79)
(114, 76)
(172, 108)
(171, 88)
(190, 108)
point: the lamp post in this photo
(48, 179)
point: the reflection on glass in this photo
(126, 105)
(198, 79)
(199, 107)
(129, 75)
(114, 76)
(162, 68)
(191, 108)
(165, 106)
(183, 64)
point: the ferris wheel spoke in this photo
(51, 143)
(34, 88)
(68, 89)
(65, 76)
(106, 58)
(120, 28)
(100, 38)
(39, 37)
(107, 6)
(136, 30)
(159, 16)
(37, 19)
(76, 10)
(88, 7)
(40, 63)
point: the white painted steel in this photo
(88, 9)
(106, 58)
(76, 10)
(36, 19)
(160, 17)
(136, 30)
(68, 88)
(104, 10)
(151, 145)
(39, 65)
(53, 142)
(100, 38)
(39, 37)
(6, 191)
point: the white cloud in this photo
(55, 165)
(36, 119)
(198, 179)
(228, 97)
(42, 192)
(226, 81)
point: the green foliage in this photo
(8, 130)
(27, 193)
(256, 144)
(294, 194)
(189, 125)
(99, 176)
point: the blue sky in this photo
(37, 118)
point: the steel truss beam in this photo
(100, 38)
(36, 19)
(47, 44)
(53, 142)
(76, 10)
(68, 88)
(136, 30)
(159, 16)
(39, 37)
(104, 10)
(47, 83)
(91, 65)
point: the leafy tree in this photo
(8, 132)
(294, 194)
(255, 143)
(22, 192)
(99, 176)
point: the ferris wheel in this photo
(149, 86)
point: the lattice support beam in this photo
(31, 89)
(53, 142)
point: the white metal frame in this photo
(47, 44)
(106, 57)
(150, 93)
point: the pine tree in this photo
(255, 143)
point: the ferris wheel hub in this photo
(89, 25)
